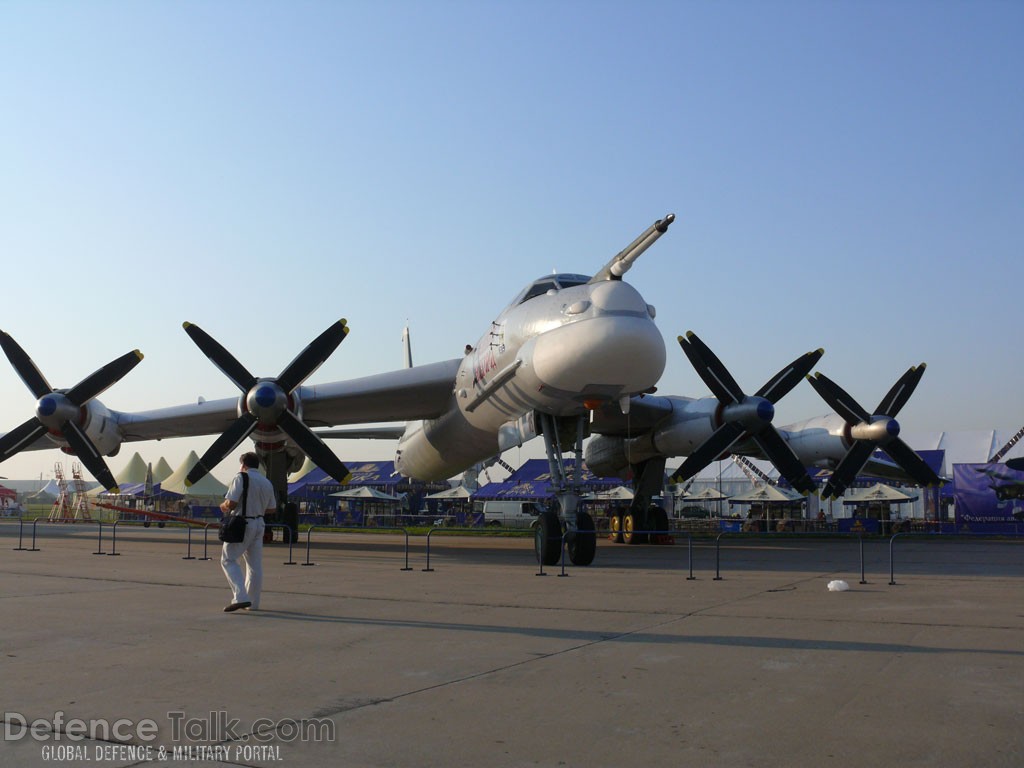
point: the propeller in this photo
(59, 411)
(267, 402)
(744, 415)
(868, 431)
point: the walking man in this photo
(259, 499)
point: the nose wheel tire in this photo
(548, 538)
(582, 544)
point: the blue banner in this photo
(858, 525)
(988, 498)
(349, 517)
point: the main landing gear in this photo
(576, 530)
(634, 527)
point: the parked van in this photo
(510, 514)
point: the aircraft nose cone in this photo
(605, 356)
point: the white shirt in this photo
(261, 497)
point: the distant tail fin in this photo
(407, 344)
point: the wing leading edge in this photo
(407, 394)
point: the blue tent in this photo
(533, 481)
(317, 483)
(511, 489)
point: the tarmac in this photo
(354, 661)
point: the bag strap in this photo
(245, 489)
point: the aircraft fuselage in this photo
(563, 346)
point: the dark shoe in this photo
(236, 606)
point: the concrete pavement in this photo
(481, 662)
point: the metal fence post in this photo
(188, 544)
(113, 541)
(99, 541)
(309, 533)
(428, 569)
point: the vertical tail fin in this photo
(407, 345)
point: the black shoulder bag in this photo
(232, 527)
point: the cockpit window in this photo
(539, 288)
(548, 283)
(568, 281)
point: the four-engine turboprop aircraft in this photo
(573, 356)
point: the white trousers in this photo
(245, 586)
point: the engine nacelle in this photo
(266, 398)
(442, 447)
(99, 425)
(688, 425)
(606, 457)
(821, 441)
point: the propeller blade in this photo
(240, 429)
(220, 357)
(24, 366)
(1016, 464)
(747, 415)
(710, 369)
(57, 404)
(781, 383)
(720, 441)
(781, 455)
(264, 401)
(913, 464)
(844, 474)
(21, 437)
(901, 391)
(870, 431)
(314, 447)
(102, 379)
(837, 398)
(312, 357)
(84, 449)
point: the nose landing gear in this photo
(576, 530)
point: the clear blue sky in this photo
(846, 175)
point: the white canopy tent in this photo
(619, 493)
(707, 494)
(767, 494)
(879, 493)
(458, 492)
(207, 486)
(365, 492)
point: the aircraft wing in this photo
(406, 394)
